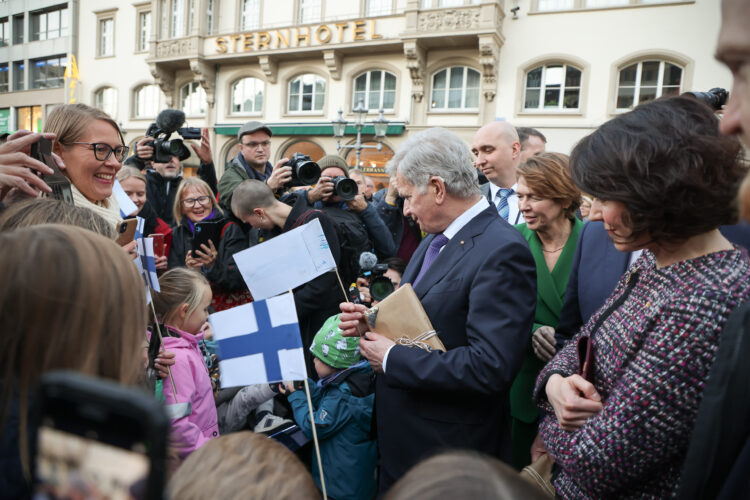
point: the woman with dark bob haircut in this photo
(664, 179)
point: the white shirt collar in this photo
(463, 219)
(495, 188)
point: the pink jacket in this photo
(194, 386)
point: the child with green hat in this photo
(342, 404)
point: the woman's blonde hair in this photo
(242, 465)
(71, 300)
(202, 186)
(178, 286)
(69, 121)
(126, 172)
(51, 211)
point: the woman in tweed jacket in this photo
(664, 179)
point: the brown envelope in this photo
(401, 318)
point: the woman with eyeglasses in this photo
(92, 147)
(195, 203)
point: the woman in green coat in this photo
(548, 200)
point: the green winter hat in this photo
(332, 348)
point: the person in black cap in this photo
(252, 163)
(163, 179)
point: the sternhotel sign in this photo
(298, 37)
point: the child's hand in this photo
(286, 389)
(162, 362)
(208, 332)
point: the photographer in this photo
(165, 177)
(394, 270)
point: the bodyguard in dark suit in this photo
(476, 279)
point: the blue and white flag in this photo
(143, 274)
(148, 262)
(127, 207)
(259, 342)
(139, 228)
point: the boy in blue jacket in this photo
(342, 404)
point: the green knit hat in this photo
(332, 348)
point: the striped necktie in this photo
(502, 208)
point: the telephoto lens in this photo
(305, 172)
(381, 287)
(345, 187)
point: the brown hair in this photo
(71, 300)
(51, 211)
(548, 176)
(186, 183)
(461, 474)
(69, 121)
(178, 286)
(242, 465)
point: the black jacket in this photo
(161, 192)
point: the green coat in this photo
(550, 295)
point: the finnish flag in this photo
(148, 262)
(127, 207)
(143, 274)
(259, 342)
(139, 228)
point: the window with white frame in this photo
(376, 89)
(193, 99)
(106, 37)
(378, 7)
(455, 88)
(307, 93)
(645, 81)
(247, 96)
(147, 101)
(309, 11)
(191, 16)
(144, 30)
(210, 6)
(177, 19)
(250, 15)
(552, 87)
(544, 5)
(106, 100)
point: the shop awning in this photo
(324, 128)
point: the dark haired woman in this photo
(664, 179)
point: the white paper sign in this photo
(127, 207)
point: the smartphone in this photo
(205, 231)
(60, 185)
(126, 231)
(159, 248)
(97, 439)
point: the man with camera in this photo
(164, 177)
(252, 163)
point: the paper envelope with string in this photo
(401, 318)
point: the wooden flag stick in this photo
(315, 439)
(161, 343)
(343, 289)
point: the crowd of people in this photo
(592, 307)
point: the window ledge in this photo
(548, 112)
(612, 7)
(468, 111)
(240, 115)
(108, 56)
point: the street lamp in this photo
(360, 111)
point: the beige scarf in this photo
(108, 208)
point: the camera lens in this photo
(380, 288)
(346, 188)
(173, 147)
(308, 172)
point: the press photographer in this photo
(377, 280)
(163, 155)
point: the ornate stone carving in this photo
(415, 62)
(165, 80)
(270, 67)
(182, 47)
(488, 56)
(204, 74)
(333, 61)
(451, 19)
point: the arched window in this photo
(306, 93)
(455, 88)
(309, 148)
(193, 99)
(645, 81)
(371, 161)
(376, 89)
(106, 100)
(147, 102)
(553, 87)
(247, 96)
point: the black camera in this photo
(345, 187)
(380, 285)
(305, 172)
(714, 98)
(168, 122)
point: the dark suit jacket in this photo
(480, 295)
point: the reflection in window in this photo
(107, 37)
(645, 81)
(29, 118)
(147, 100)
(553, 87)
(455, 88)
(49, 24)
(4, 32)
(307, 93)
(106, 100)
(193, 99)
(250, 14)
(4, 77)
(247, 96)
(376, 90)
(178, 19)
(47, 73)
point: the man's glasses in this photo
(103, 151)
(253, 145)
(190, 202)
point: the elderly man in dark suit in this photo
(475, 277)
